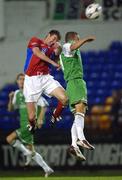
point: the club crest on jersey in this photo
(44, 50)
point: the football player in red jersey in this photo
(37, 74)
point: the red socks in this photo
(57, 112)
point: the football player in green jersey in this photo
(23, 138)
(71, 63)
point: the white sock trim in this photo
(80, 114)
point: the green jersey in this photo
(72, 67)
(19, 103)
(71, 63)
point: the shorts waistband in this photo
(41, 73)
(38, 74)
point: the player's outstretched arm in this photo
(43, 57)
(81, 42)
(10, 103)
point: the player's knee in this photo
(29, 147)
(64, 100)
(81, 107)
(9, 139)
(31, 117)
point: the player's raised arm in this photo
(10, 103)
(43, 57)
(77, 44)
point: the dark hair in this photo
(70, 36)
(18, 76)
(55, 32)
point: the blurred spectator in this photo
(116, 110)
(106, 120)
(96, 113)
(100, 118)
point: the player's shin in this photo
(74, 136)
(39, 160)
(32, 125)
(57, 112)
(79, 122)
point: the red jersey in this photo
(33, 64)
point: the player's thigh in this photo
(53, 88)
(11, 137)
(77, 93)
(25, 135)
(33, 87)
(60, 94)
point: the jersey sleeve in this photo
(14, 101)
(34, 42)
(42, 102)
(67, 51)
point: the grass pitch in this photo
(63, 178)
(62, 175)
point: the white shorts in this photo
(35, 86)
(42, 102)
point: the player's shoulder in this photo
(16, 92)
(66, 44)
(35, 40)
(66, 47)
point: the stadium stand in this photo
(103, 74)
